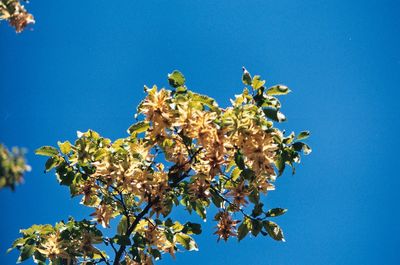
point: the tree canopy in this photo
(183, 150)
(12, 166)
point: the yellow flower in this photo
(226, 226)
(157, 110)
(20, 18)
(239, 194)
(103, 214)
(199, 188)
(54, 248)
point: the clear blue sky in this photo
(85, 63)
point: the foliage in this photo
(65, 242)
(12, 166)
(185, 150)
(15, 13)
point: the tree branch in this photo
(104, 258)
(230, 203)
(174, 169)
(122, 248)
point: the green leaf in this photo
(205, 100)
(275, 212)
(248, 174)
(289, 139)
(246, 77)
(51, 163)
(216, 199)
(122, 240)
(47, 151)
(122, 226)
(181, 89)
(235, 173)
(239, 160)
(177, 227)
(176, 79)
(303, 135)
(244, 229)
(100, 154)
(26, 252)
(39, 258)
(17, 243)
(257, 82)
(274, 230)
(254, 196)
(67, 178)
(278, 90)
(274, 114)
(299, 146)
(270, 102)
(139, 127)
(280, 165)
(192, 228)
(155, 253)
(258, 209)
(256, 226)
(200, 210)
(65, 147)
(186, 241)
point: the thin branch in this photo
(230, 203)
(119, 199)
(111, 244)
(173, 170)
(104, 258)
(122, 248)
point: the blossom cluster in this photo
(184, 150)
(16, 15)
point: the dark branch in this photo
(139, 217)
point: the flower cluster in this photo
(226, 226)
(65, 243)
(15, 14)
(183, 150)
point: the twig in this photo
(230, 203)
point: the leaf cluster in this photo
(69, 242)
(12, 166)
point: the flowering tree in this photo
(184, 150)
(16, 14)
(12, 166)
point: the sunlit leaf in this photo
(303, 135)
(299, 146)
(257, 82)
(274, 114)
(65, 147)
(274, 230)
(244, 228)
(275, 212)
(47, 151)
(138, 127)
(246, 77)
(26, 252)
(176, 79)
(186, 241)
(278, 90)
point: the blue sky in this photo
(84, 65)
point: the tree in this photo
(15, 13)
(183, 150)
(12, 166)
